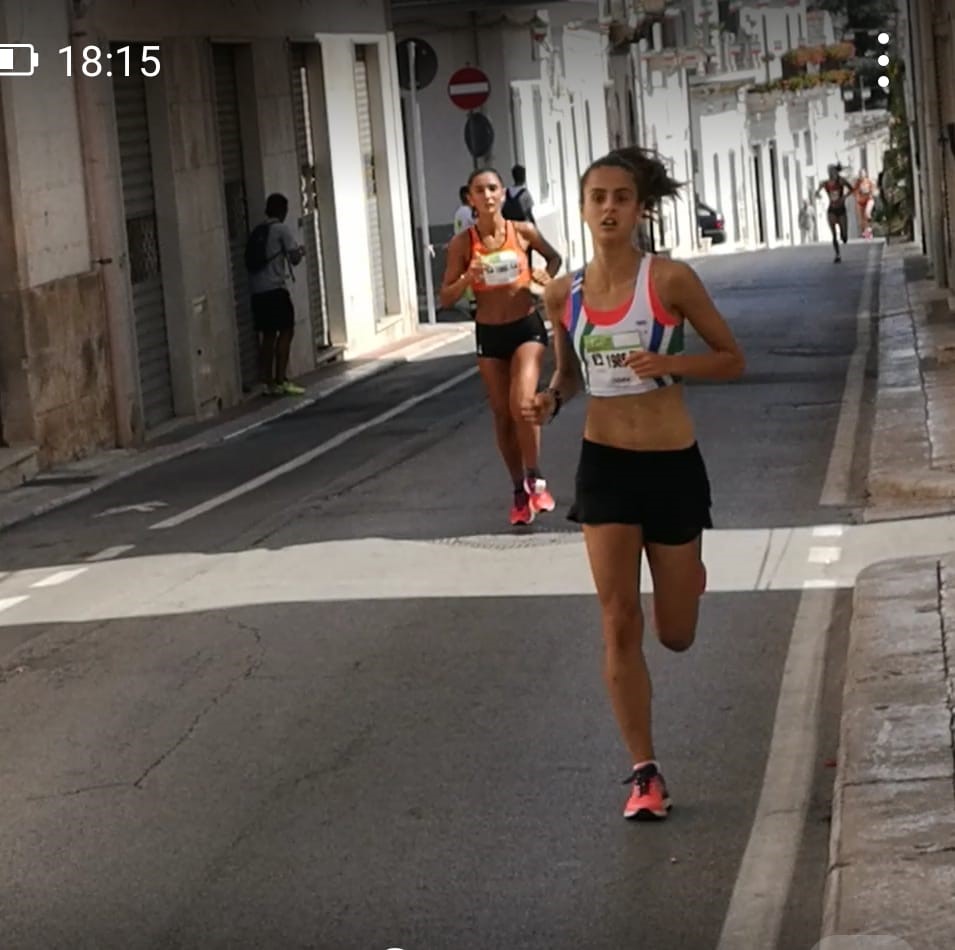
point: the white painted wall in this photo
(821, 31)
(665, 121)
(50, 175)
(720, 134)
(566, 77)
(43, 150)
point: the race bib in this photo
(501, 268)
(605, 355)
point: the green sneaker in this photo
(291, 389)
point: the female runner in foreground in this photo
(641, 482)
(491, 258)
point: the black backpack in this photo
(515, 205)
(256, 258)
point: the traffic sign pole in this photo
(423, 222)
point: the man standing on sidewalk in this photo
(270, 255)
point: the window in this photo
(807, 136)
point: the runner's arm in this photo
(456, 276)
(681, 290)
(537, 241)
(566, 378)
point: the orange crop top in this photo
(504, 267)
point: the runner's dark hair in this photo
(649, 173)
(486, 170)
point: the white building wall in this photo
(821, 31)
(44, 153)
(720, 140)
(200, 211)
(541, 96)
(662, 86)
(67, 199)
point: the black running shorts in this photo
(667, 493)
(499, 341)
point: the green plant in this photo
(895, 208)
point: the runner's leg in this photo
(496, 374)
(679, 579)
(614, 552)
(525, 373)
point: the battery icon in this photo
(18, 59)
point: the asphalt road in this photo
(353, 709)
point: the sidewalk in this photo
(67, 483)
(892, 846)
(913, 443)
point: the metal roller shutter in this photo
(236, 206)
(367, 145)
(308, 183)
(145, 271)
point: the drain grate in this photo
(506, 542)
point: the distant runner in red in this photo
(838, 190)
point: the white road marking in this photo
(312, 454)
(107, 554)
(828, 531)
(827, 555)
(7, 602)
(835, 490)
(354, 375)
(60, 577)
(759, 898)
(350, 376)
(143, 507)
(755, 912)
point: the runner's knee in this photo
(622, 624)
(677, 637)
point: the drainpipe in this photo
(105, 249)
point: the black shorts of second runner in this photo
(272, 311)
(667, 493)
(839, 215)
(499, 341)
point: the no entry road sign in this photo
(469, 88)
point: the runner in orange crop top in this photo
(492, 257)
(508, 266)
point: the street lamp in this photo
(883, 38)
(884, 82)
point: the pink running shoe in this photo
(649, 800)
(541, 499)
(522, 511)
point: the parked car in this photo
(710, 222)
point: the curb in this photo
(900, 456)
(893, 808)
(148, 458)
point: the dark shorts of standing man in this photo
(272, 311)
